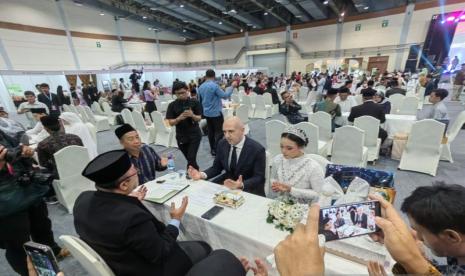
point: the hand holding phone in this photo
(42, 258)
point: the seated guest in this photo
(294, 172)
(258, 88)
(325, 229)
(395, 89)
(344, 101)
(142, 156)
(118, 102)
(290, 109)
(270, 89)
(57, 140)
(383, 101)
(185, 114)
(114, 222)
(327, 105)
(37, 133)
(369, 108)
(339, 220)
(429, 86)
(28, 105)
(242, 159)
(74, 125)
(360, 219)
(439, 109)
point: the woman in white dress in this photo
(74, 125)
(293, 172)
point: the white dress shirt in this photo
(346, 105)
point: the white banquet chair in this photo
(348, 147)
(396, 102)
(409, 106)
(93, 131)
(70, 161)
(421, 97)
(323, 121)
(323, 162)
(452, 132)
(82, 113)
(303, 94)
(262, 110)
(243, 113)
(74, 109)
(359, 99)
(147, 133)
(274, 129)
(164, 134)
(235, 98)
(86, 256)
(66, 108)
(96, 108)
(370, 125)
(100, 122)
(127, 117)
(315, 145)
(269, 101)
(423, 149)
(247, 100)
(308, 103)
(109, 113)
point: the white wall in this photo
(42, 13)
(136, 51)
(226, 49)
(173, 53)
(91, 57)
(199, 52)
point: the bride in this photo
(293, 172)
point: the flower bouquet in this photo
(285, 213)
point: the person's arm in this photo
(258, 177)
(338, 111)
(382, 118)
(224, 94)
(21, 109)
(315, 185)
(36, 130)
(160, 164)
(44, 157)
(351, 115)
(216, 168)
(46, 108)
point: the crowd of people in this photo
(103, 218)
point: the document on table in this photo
(204, 197)
(160, 193)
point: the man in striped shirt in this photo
(143, 157)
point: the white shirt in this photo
(346, 105)
(440, 111)
(37, 134)
(27, 105)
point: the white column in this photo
(61, 12)
(248, 59)
(339, 39)
(403, 34)
(158, 47)
(6, 58)
(213, 51)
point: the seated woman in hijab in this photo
(74, 125)
(383, 101)
(293, 172)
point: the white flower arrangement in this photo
(285, 213)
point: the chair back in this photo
(323, 162)
(66, 108)
(74, 109)
(274, 129)
(139, 121)
(409, 106)
(90, 115)
(252, 96)
(456, 126)
(426, 136)
(86, 256)
(107, 109)
(93, 131)
(158, 121)
(311, 98)
(303, 93)
(359, 99)
(348, 143)
(259, 102)
(312, 132)
(96, 108)
(268, 99)
(396, 102)
(82, 113)
(243, 113)
(247, 100)
(323, 121)
(127, 117)
(71, 160)
(235, 98)
(370, 125)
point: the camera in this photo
(13, 154)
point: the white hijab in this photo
(74, 125)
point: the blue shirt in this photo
(210, 98)
(146, 164)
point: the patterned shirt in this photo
(147, 164)
(50, 145)
(452, 268)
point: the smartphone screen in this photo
(42, 258)
(349, 220)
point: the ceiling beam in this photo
(277, 16)
(315, 8)
(296, 11)
(210, 14)
(240, 14)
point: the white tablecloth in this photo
(243, 231)
(394, 123)
(137, 105)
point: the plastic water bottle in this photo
(171, 164)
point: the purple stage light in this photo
(450, 18)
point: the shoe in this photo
(213, 152)
(63, 254)
(52, 200)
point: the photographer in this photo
(23, 213)
(135, 77)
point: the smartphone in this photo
(215, 210)
(161, 181)
(349, 220)
(43, 259)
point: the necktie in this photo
(233, 162)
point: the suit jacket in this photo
(363, 221)
(251, 165)
(127, 236)
(49, 103)
(368, 108)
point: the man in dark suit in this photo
(395, 89)
(369, 108)
(114, 222)
(49, 99)
(360, 219)
(242, 159)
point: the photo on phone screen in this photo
(349, 220)
(42, 258)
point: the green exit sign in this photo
(385, 23)
(99, 45)
(358, 27)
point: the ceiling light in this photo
(78, 4)
(233, 11)
(249, 24)
(325, 2)
(366, 8)
(101, 13)
(184, 30)
(343, 13)
(211, 31)
(181, 6)
(150, 29)
(265, 13)
(221, 23)
(144, 17)
(254, 27)
(298, 16)
(153, 9)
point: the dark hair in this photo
(29, 93)
(121, 79)
(441, 93)
(146, 85)
(332, 92)
(178, 85)
(371, 83)
(348, 82)
(284, 92)
(344, 90)
(294, 138)
(43, 85)
(437, 207)
(210, 73)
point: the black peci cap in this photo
(107, 168)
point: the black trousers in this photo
(219, 262)
(215, 130)
(16, 229)
(190, 149)
(150, 107)
(382, 135)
